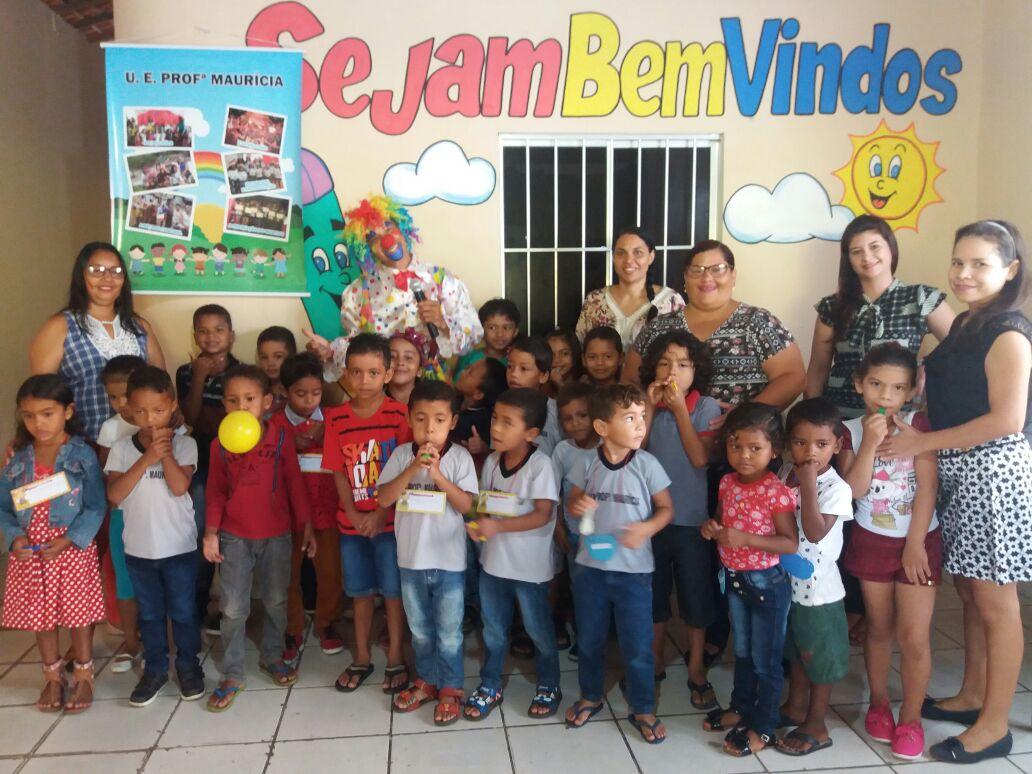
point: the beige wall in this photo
(55, 192)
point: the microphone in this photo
(417, 290)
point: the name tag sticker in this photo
(422, 501)
(42, 491)
(311, 463)
(499, 504)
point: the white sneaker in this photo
(123, 662)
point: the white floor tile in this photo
(686, 742)
(106, 763)
(593, 748)
(14, 644)
(252, 718)
(8, 765)
(239, 758)
(21, 685)
(937, 767)
(110, 725)
(849, 749)
(477, 751)
(360, 754)
(319, 670)
(852, 689)
(1023, 762)
(323, 713)
(21, 728)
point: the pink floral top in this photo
(751, 508)
(601, 309)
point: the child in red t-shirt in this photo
(302, 419)
(360, 436)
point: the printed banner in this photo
(204, 148)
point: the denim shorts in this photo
(370, 565)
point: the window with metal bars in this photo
(563, 197)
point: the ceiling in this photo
(93, 18)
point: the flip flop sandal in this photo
(223, 692)
(642, 726)
(447, 712)
(738, 738)
(585, 707)
(702, 689)
(802, 736)
(280, 673)
(483, 700)
(714, 719)
(405, 701)
(547, 698)
(389, 674)
(361, 672)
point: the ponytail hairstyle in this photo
(650, 243)
(44, 387)
(1010, 246)
(79, 298)
(849, 296)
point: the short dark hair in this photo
(136, 247)
(698, 352)
(370, 344)
(298, 367)
(118, 368)
(536, 347)
(239, 250)
(819, 411)
(434, 390)
(220, 246)
(704, 247)
(568, 393)
(247, 371)
(576, 351)
(531, 403)
(212, 310)
(754, 416)
(494, 382)
(891, 353)
(499, 307)
(604, 333)
(280, 334)
(151, 378)
(604, 401)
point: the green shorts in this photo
(818, 638)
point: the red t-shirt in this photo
(751, 508)
(322, 492)
(360, 447)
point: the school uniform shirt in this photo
(432, 541)
(158, 524)
(257, 495)
(527, 555)
(751, 508)
(624, 492)
(889, 502)
(114, 429)
(567, 456)
(688, 483)
(834, 498)
(322, 492)
(360, 447)
(552, 433)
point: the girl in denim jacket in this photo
(53, 578)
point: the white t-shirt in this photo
(566, 456)
(114, 429)
(432, 541)
(158, 524)
(834, 498)
(889, 502)
(552, 433)
(527, 555)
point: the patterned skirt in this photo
(985, 508)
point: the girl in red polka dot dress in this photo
(52, 503)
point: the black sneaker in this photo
(191, 684)
(213, 624)
(147, 689)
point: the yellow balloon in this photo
(240, 432)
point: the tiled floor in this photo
(312, 728)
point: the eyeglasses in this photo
(716, 270)
(99, 271)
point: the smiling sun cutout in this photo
(891, 175)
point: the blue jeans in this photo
(627, 596)
(497, 598)
(165, 589)
(434, 604)
(205, 569)
(759, 636)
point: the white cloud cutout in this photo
(796, 210)
(195, 119)
(223, 190)
(287, 164)
(442, 172)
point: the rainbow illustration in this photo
(209, 166)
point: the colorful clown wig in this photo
(369, 215)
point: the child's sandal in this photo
(81, 697)
(52, 697)
(547, 699)
(449, 703)
(483, 701)
(409, 700)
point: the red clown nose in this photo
(387, 242)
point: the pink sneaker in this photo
(908, 741)
(879, 723)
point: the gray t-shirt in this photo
(523, 556)
(566, 456)
(158, 524)
(552, 433)
(687, 482)
(624, 493)
(432, 541)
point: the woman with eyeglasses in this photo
(97, 324)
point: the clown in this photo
(379, 235)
